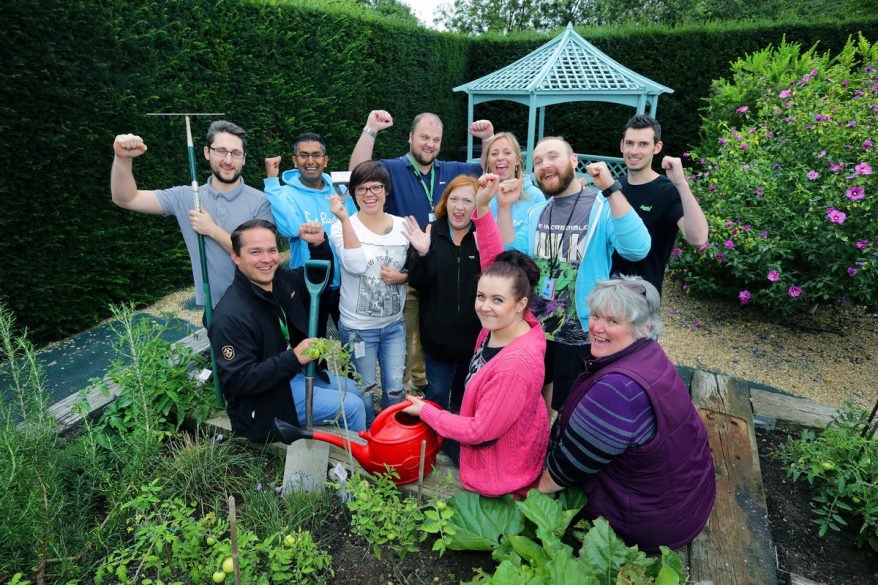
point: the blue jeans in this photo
(327, 398)
(384, 347)
(445, 379)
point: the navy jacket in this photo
(253, 360)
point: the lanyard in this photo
(556, 250)
(429, 192)
(282, 319)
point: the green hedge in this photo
(77, 73)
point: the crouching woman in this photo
(499, 437)
(628, 433)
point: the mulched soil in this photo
(831, 560)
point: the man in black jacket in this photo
(260, 317)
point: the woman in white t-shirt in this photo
(371, 251)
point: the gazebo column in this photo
(469, 122)
(531, 130)
(541, 111)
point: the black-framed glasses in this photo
(373, 189)
(224, 152)
(304, 156)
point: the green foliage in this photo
(437, 521)
(172, 543)
(842, 467)
(787, 182)
(154, 388)
(525, 537)
(381, 517)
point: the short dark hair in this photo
(250, 224)
(641, 121)
(369, 170)
(218, 126)
(308, 137)
(423, 116)
(520, 268)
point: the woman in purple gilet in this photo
(628, 433)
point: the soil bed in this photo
(831, 560)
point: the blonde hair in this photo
(516, 147)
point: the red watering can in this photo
(394, 438)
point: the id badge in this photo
(359, 350)
(431, 217)
(548, 290)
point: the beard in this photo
(421, 160)
(218, 175)
(564, 179)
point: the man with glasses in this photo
(226, 202)
(418, 180)
(304, 198)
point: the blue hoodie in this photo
(626, 235)
(293, 204)
(532, 196)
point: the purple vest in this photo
(660, 493)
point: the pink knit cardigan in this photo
(502, 404)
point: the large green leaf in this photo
(479, 522)
(548, 514)
(605, 552)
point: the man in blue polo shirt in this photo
(417, 182)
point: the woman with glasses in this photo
(372, 253)
(628, 433)
(499, 438)
(444, 267)
(504, 160)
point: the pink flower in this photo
(744, 295)
(785, 94)
(746, 228)
(759, 191)
(742, 109)
(702, 247)
(855, 193)
(720, 257)
(712, 188)
(729, 223)
(812, 174)
(676, 252)
(867, 144)
(744, 147)
(763, 234)
(722, 140)
(794, 291)
(729, 244)
(835, 216)
(862, 244)
(863, 169)
(774, 275)
(789, 104)
(852, 271)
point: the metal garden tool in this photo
(314, 289)
(205, 283)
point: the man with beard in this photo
(305, 198)
(226, 202)
(572, 238)
(665, 203)
(418, 181)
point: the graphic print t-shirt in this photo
(558, 250)
(367, 302)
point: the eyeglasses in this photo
(373, 189)
(223, 153)
(303, 156)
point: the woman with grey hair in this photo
(628, 433)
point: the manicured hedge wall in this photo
(76, 73)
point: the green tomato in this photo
(219, 577)
(828, 465)
(228, 565)
(856, 500)
(441, 505)
(210, 540)
(289, 540)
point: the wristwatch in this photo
(615, 187)
(370, 132)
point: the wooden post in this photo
(421, 469)
(233, 535)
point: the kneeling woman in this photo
(628, 433)
(503, 427)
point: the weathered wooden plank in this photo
(735, 547)
(68, 417)
(799, 580)
(790, 410)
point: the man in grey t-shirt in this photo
(226, 202)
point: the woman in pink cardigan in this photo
(502, 430)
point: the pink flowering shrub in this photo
(794, 216)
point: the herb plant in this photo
(842, 467)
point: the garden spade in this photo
(315, 288)
(196, 203)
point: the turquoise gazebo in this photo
(566, 69)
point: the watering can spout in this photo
(287, 433)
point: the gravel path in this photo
(828, 357)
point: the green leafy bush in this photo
(842, 466)
(787, 181)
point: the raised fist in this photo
(379, 120)
(128, 146)
(272, 167)
(482, 129)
